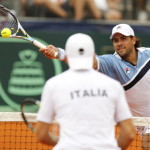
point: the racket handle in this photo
(40, 45)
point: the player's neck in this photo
(132, 58)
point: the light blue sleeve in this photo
(113, 67)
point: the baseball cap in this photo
(124, 29)
(80, 51)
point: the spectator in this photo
(55, 6)
(109, 9)
(141, 9)
(80, 7)
(98, 9)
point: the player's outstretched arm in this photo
(127, 133)
(51, 50)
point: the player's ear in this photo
(134, 39)
(66, 59)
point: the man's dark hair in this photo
(138, 42)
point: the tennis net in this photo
(14, 134)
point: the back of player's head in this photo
(80, 51)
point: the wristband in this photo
(61, 54)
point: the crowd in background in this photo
(81, 9)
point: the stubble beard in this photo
(123, 54)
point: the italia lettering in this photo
(88, 93)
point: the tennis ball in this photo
(6, 32)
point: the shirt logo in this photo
(127, 70)
(76, 94)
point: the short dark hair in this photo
(138, 42)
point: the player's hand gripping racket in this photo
(12, 25)
(27, 117)
(33, 104)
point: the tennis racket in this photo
(29, 118)
(34, 105)
(9, 20)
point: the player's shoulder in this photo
(57, 78)
(145, 51)
(110, 56)
(107, 57)
(142, 49)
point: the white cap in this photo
(124, 29)
(80, 51)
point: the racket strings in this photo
(7, 20)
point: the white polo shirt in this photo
(87, 105)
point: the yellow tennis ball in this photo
(6, 33)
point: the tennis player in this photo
(130, 65)
(85, 106)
